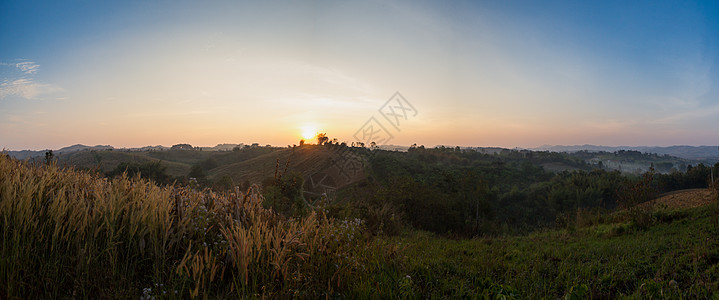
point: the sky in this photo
(467, 73)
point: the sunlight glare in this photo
(309, 132)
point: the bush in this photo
(154, 171)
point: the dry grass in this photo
(71, 234)
(685, 199)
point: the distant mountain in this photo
(147, 148)
(710, 153)
(25, 154)
(79, 147)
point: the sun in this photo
(309, 132)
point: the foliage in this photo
(634, 197)
(695, 177)
(469, 193)
(322, 138)
(182, 147)
(154, 171)
(284, 193)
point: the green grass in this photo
(677, 259)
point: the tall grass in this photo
(66, 233)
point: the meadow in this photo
(77, 234)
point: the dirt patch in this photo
(685, 198)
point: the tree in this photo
(322, 138)
(182, 147)
(49, 156)
(284, 194)
(154, 171)
(633, 194)
(198, 173)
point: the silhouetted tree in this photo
(322, 139)
(182, 147)
(49, 156)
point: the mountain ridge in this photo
(682, 151)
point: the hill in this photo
(313, 162)
(106, 161)
(29, 154)
(79, 147)
(685, 199)
(318, 165)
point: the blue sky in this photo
(501, 73)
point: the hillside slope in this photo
(314, 163)
(106, 161)
(685, 198)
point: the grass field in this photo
(677, 258)
(69, 234)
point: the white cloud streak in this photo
(27, 67)
(18, 81)
(26, 88)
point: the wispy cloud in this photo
(17, 81)
(24, 66)
(27, 67)
(26, 88)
